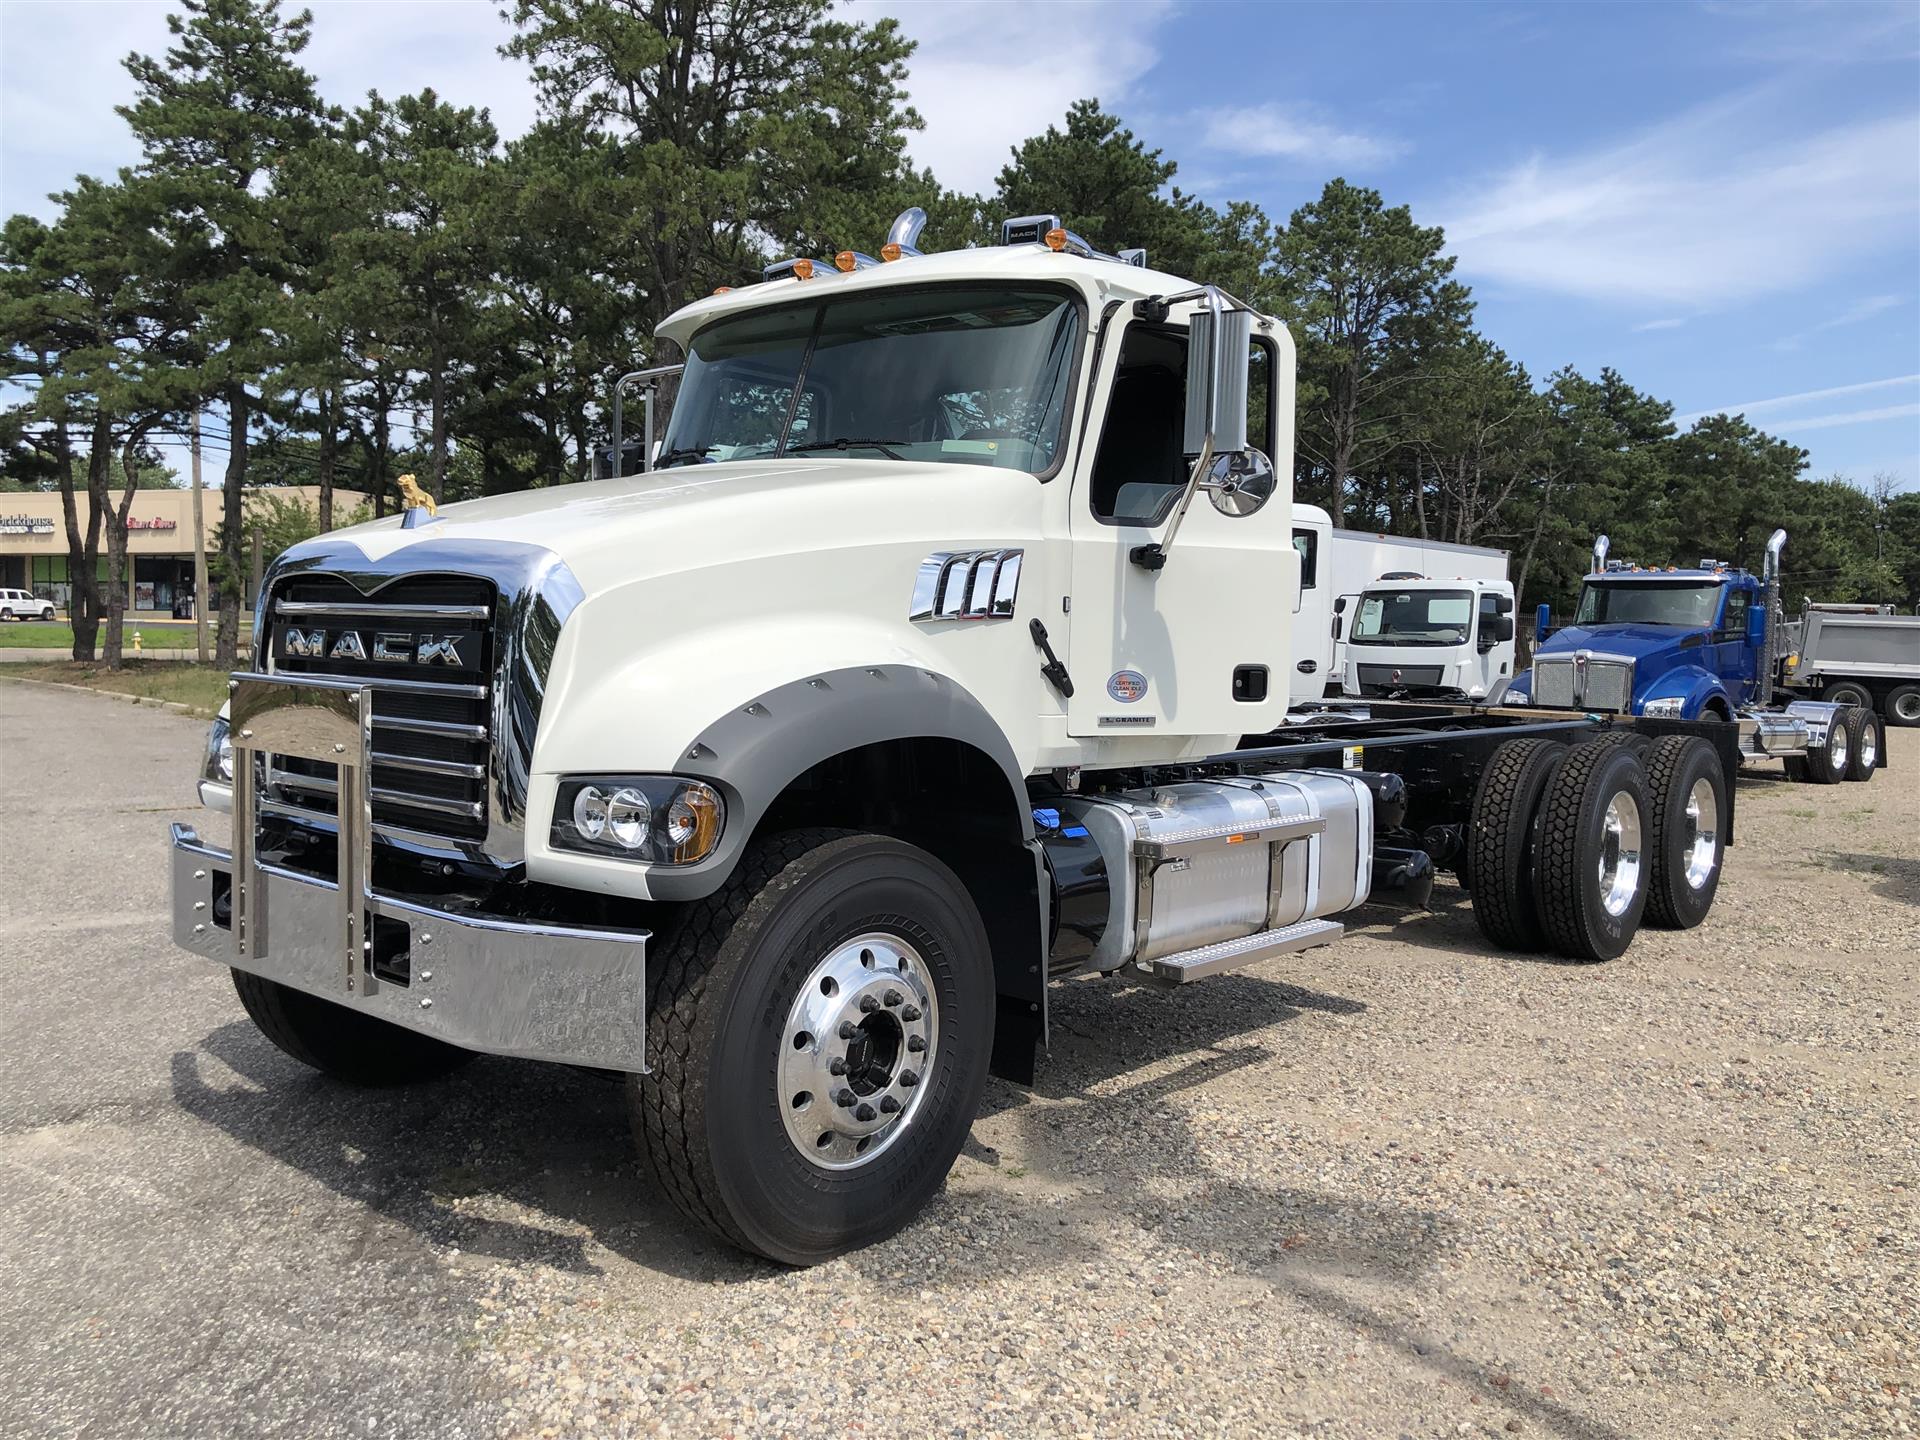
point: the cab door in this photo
(1202, 645)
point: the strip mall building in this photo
(33, 542)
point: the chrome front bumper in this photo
(481, 982)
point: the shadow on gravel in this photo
(1893, 878)
(549, 1142)
(1447, 924)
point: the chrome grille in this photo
(1583, 682)
(432, 720)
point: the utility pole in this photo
(199, 551)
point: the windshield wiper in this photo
(885, 447)
(681, 452)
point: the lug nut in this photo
(915, 1044)
(912, 1012)
(888, 1105)
(909, 1078)
(836, 1066)
(865, 1112)
(868, 1004)
(845, 1099)
(893, 997)
(848, 1030)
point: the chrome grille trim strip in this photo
(382, 612)
(459, 768)
(319, 785)
(447, 729)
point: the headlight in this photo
(1516, 697)
(218, 764)
(656, 819)
(1667, 707)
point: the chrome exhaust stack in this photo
(1600, 555)
(906, 228)
(1770, 575)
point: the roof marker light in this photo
(890, 251)
(844, 261)
(803, 269)
(1056, 239)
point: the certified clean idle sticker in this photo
(1127, 686)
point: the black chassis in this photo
(1439, 751)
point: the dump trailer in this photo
(1862, 655)
(924, 667)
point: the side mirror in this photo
(1219, 346)
(1338, 622)
(1756, 625)
(1502, 628)
(1503, 604)
(1542, 623)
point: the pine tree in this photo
(215, 117)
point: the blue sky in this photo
(1720, 201)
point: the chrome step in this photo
(1216, 837)
(1185, 965)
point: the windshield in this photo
(1645, 602)
(1413, 617)
(972, 375)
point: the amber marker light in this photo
(890, 251)
(723, 290)
(844, 262)
(803, 269)
(1056, 239)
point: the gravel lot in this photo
(1395, 1187)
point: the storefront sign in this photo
(155, 524)
(28, 525)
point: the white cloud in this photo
(61, 75)
(985, 77)
(1711, 207)
(1669, 324)
(1783, 402)
(1276, 131)
(1849, 417)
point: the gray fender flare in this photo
(752, 753)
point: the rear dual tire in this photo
(1593, 851)
(1687, 795)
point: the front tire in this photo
(1688, 794)
(358, 1049)
(784, 1112)
(47, 614)
(1593, 852)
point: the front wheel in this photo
(47, 614)
(819, 1034)
(359, 1049)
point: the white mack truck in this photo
(933, 657)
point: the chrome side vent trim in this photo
(967, 585)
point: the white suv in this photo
(24, 605)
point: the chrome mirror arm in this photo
(1153, 556)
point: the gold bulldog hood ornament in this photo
(420, 505)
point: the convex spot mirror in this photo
(1240, 483)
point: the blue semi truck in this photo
(1701, 642)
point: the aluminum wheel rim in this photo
(860, 1038)
(1620, 854)
(1907, 708)
(1869, 744)
(1703, 833)
(1837, 743)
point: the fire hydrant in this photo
(136, 642)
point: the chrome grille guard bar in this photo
(482, 982)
